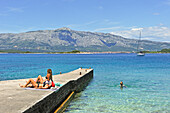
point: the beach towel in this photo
(52, 89)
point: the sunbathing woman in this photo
(40, 83)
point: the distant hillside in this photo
(65, 39)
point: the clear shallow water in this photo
(147, 79)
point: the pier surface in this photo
(15, 99)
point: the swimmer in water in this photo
(121, 85)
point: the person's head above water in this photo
(121, 83)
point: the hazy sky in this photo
(108, 16)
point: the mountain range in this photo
(65, 39)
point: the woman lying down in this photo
(40, 83)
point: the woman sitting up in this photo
(40, 83)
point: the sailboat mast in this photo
(139, 41)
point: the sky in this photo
(119, 17)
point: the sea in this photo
(147, 79)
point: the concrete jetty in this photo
(16, 100)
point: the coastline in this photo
(110, 52)
(82, 53)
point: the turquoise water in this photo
(147, 79)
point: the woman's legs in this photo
(28, 82)
(39, 79)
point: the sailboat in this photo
(139, 52)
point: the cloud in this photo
(68, 0)
(3, 14)
(82, 25)
(156, 13)
(154, 33)
(136, 29)
(167, 2)
(13, 9)
(110, 29)
(100, 8)
(109, 22)
(93, 24)
(9, 10)
(106, 29)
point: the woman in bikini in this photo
(40, 83)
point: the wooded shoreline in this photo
(80, 52)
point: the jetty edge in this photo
(16, 100)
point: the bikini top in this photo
(46, 82)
